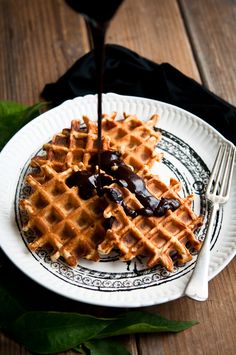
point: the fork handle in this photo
(197, 287)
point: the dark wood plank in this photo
(39, 40)
(215, 332)
(8, 346)
(212, 27)
(154, 29)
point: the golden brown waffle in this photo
(135, 139)
(157, 238)
(70, 226)
(71, 147)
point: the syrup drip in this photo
(125, 177)
(89, 182)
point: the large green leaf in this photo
(13, 116)
(49, 332)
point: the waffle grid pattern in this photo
(73, 146)
(70, 226)
(157, 238)
(135, 139)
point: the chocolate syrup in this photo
(87, 182)
(98, 11)
(125, 177)
(116, 196)
(98, 34)
(90, 182)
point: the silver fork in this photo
(217, 193)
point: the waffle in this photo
(71, 147)
(70, 226)
(160, 239)
(135, 139)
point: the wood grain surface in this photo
(211, 25)
(42, 39)
(155, 30)
(39, 41)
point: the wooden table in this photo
(39, 41)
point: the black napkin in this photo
(127, 73)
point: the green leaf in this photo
(13, 116)
(143, 322)
(48, 332)
(10, 308)
(106, 347)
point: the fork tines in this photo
(222, 172)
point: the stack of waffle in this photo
(73, 227)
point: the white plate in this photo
(190, 147)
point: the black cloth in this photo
(127, 73)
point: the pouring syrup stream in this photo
(98, 32)
(98, 15)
